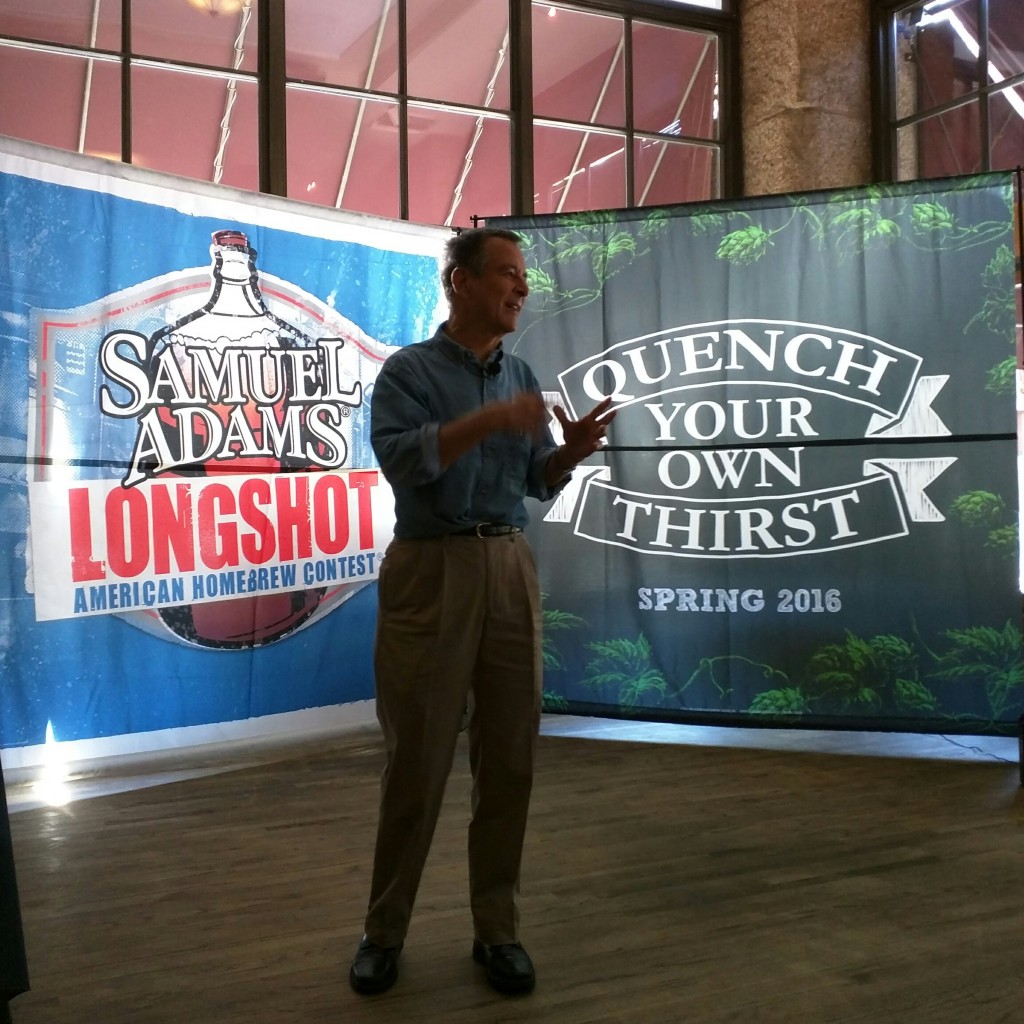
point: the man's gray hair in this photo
(468, 249)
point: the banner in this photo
(806, 513)
(192, 512)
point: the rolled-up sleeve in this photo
(405, 429)
(539, 459)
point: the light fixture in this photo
(217, 7)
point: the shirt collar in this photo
(461, 355)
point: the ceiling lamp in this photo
(217, 7)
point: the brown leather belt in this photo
(488, 530)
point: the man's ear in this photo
(458, 279)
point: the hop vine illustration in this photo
(998, 314)
(852, 223)
(555, 621)
(986, 656)
(626, 668)
(598, 244)
(865, 676)
(595, 246)
(788, 700)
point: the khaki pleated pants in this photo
(457, 616)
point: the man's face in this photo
(494, 300)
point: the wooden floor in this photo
(676, 883)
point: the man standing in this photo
(460, 429)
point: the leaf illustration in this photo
(587, 250)
(655, 223)
(1002, 377)
(855, 218)
(554, 702)
(989, 656)
(705, 223)
(914, 695)
(555, 621)
(998, 312)
(624, 666)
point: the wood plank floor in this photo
(662, 883)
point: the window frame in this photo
(886, 125)
(272, 82)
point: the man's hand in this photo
(581, 438)
(525, 413)
(584, 436)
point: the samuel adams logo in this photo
(230, 383)
(203, 463)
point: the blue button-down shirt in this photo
(423, 386)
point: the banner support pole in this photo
(1019, 281)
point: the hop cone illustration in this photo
(744, 246)
(931, 217)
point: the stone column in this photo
(806, 118)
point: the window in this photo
(626, 112)
(191, 79)
(953, 87)
(443, 111)
(437, 111)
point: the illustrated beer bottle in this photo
(231, 341)
(225, 349)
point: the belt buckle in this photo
(479, 527)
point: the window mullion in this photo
(984, 140)
(273, 133)
(627, 56)
(521, 103)
(403, 110)
(126, 81)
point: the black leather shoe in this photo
(509, 968)
(374, 968)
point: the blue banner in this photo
(193, 517)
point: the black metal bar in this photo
(630, 148)
(984, 141)
(273, 130)
(1019, 283)
(841, 442)
(520, 27)
(883, 85)
(126, 81)
(403, 111)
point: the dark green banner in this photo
(807, 512)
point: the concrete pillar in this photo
(806, 117)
